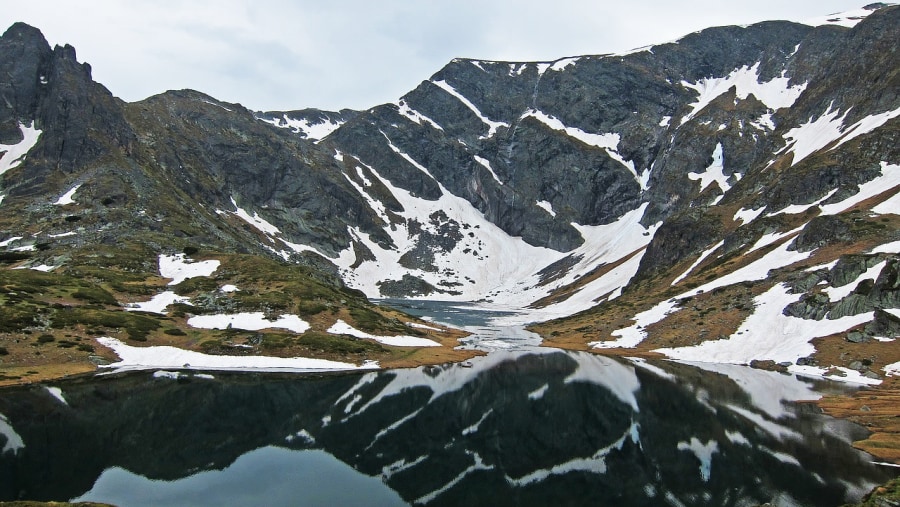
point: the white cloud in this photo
(284, 54)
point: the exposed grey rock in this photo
(810, 306)
(884, 325)
(857, 337)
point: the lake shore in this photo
(877, 408)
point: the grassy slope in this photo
(48, 321)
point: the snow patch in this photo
(546, 206)
(559, 65)
(179, 268)
(315, 131)
(539, 392)
(890, 206)
(775, 93)
(57, 393)
(7, 242)
(256, 221)
(46, 268)
(477, 465)
(416, 117)
(609, 142)
(764, 122)
(796, 209)
(768, 334)
(888, 248)
(487, 165)
(341, 327)
(835, 294)
(270, 230)
(67, 197)
(14, 154)
(492, 125)
(773, 237)
(890, 177)
(847, 19)
(748, 215)
(250, 321)
(714, 173)
(696, 263)
(163, 357)
(892, 369)
(595, 463)
(474, 428)
(825, 130)
(158, 303)
(703, 452)
(631, 336)
(14, 442)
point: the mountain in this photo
(701, 196)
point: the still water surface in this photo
(516, 427)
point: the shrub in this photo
(308, 308)
(15, 318)
(339, 344)
(95, 295)
(45, 338)
(174, 332)
(3, 351)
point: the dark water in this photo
(520, 428)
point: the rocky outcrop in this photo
(693, 133)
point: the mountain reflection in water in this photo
(525, 428)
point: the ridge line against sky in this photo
(284, 54)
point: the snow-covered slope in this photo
(673, 198)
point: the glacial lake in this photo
(520, 426)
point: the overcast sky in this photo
(291, 54)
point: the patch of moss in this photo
(95, 295)
(18, 317)
(339, 344)
(197, 284)
(137, 326)
(309, 308)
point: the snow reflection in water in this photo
(516, 428)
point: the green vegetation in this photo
(339, 344)
(16, 318)
(95, 295)
(137, 326)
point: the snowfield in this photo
(165, 357)
(250, 321)
(341, 327)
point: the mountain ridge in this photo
(585, 184)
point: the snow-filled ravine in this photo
(527, 425)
